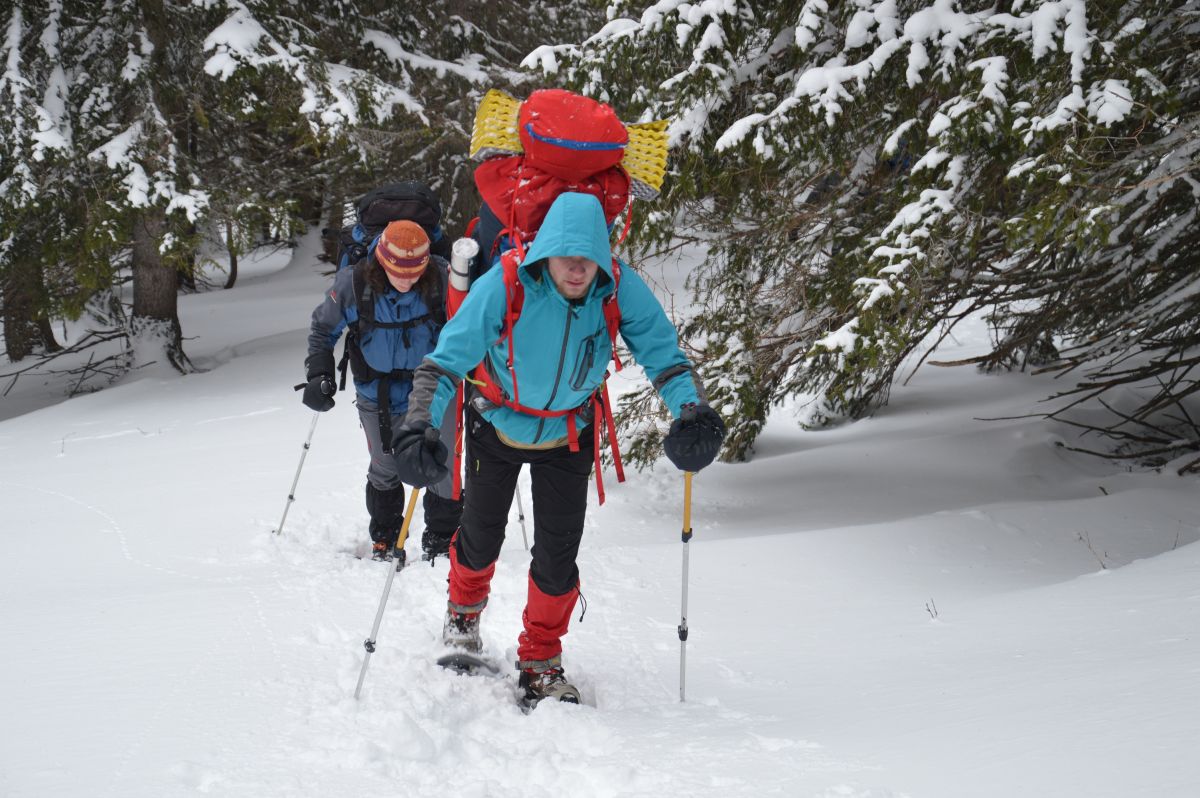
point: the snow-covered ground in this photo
(923, 604)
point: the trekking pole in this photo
(398, 551)
(521, 516)
(292, 493)
(687, 535)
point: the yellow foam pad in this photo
(646, 155)
(495, 133)
(495, 129)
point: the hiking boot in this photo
(461, 630)
(542, 681)
(381, 551)
(435, 544)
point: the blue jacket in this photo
(561, 347)
(383, 349)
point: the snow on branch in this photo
(391, 47)
(240, 41)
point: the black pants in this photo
(560, 485)
(386, 508)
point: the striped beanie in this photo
(403, 249)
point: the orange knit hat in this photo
(403, 249)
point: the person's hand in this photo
(318, 394)
(420, 455)
(695, 437)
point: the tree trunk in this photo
(331, 232)
(155, 290)
(49, 343)
(310, 204)
(187, 274)
(25, 322)
(18, 319)
(233, 258)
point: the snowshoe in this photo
(467, 664)
(539, 685)
(461, 631)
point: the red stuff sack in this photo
(570, 136)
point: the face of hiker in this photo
(401, 284)
(572, 275)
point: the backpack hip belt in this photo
(598, 402)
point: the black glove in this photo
(420, 455)
(318, 394)
(319, 370)
(319, 364)
(695, 437)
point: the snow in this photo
(238, 40)
(926, 603)
(391, 47)
(893, 141)
(938, 125)
(116, 152)
(1110, 102)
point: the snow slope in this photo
(921, 604)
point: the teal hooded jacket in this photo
(561, 347)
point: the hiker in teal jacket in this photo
(560, 352)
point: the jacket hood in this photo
(574, 226)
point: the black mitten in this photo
(420, 455)
(695, 437)
(318, 394)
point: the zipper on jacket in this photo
(562, 360)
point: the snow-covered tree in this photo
(865, 172)
(150, 133)
(35, 140)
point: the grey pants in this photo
(382, 471)
(385, 492)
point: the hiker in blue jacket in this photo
(545, 372)
(393, 304)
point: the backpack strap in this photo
(366, 310)
(612, 312)
(514, 300)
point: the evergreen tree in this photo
(35, 142)
(175, 124)
(866, 173)
(149, 135)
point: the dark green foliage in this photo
(864, 180)
(221, 126)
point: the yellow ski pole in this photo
(369, 643)
(687, 536)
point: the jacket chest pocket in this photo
(585, 361)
